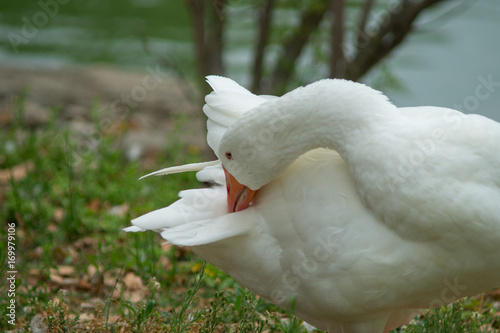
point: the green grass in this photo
(79, 272)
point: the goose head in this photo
(253, 153)
(263, 142)
(245, 173)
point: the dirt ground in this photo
(151, 102)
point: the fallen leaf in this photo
(20, 234)
(91, 270)
(69, 282)
(83, 284)
(37, 253)
(22, 289)
(16, 173)
(117, 291)
(58, 214)
(65, 270)
(73, 253)
(5, 117)
(496, 294)
(94, 205)
(56, 278)
(165, 263)
(132, 281)
(114, 318)
(84, 317)
(165, 247)
(87, 306)
(85, 243)
(117, 127)
(134, 296)
(109, 280)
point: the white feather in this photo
(224, 105)
(212, 174)
(181, 168)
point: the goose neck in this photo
(334, 114)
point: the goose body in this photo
(364, 213)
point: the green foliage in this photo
(57, 318)
(181, 322)
(461, 316)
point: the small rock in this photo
(38, 325)
(119, 210)
(134, 152)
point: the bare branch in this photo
(197, 9)
(215, 36)
(294, 45)
(363, 18)
(208, 29)
(390, 34)
(337, 60)
(265, 14)
(371, 46)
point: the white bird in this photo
(356, 211)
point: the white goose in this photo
(405, 216)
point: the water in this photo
(446, 63)
(132, 33)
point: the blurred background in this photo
(452, 44)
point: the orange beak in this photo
(238, 196)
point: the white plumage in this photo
(365, 213)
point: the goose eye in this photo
(229, 155)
